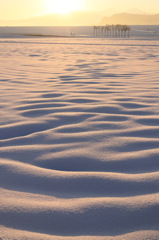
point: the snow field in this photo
(79, 139)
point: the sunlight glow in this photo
(62, 6)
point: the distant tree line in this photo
(112, 30)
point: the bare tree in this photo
(128, 28)
(113, 29)
(125, 29)
(122, 30)
(109, 29)
(102, 29)
(94, 28)
(116, 29)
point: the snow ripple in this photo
(79, 137)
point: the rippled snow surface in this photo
(79, 139)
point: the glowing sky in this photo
(20, 9)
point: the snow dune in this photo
(79, 139)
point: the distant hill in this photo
(75, 18)
(78, 18)
(135, 11)
(131, 19)
(86, 18)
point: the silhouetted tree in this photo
(128, 28)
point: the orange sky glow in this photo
(17, 9)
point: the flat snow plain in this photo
(79, 139)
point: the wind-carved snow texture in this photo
(79, 137)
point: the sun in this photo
(62, 6)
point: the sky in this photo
(21, 9)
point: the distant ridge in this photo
(131, 19)
(86, 18)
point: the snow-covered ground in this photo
(79, 139)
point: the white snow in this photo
(79, 138)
